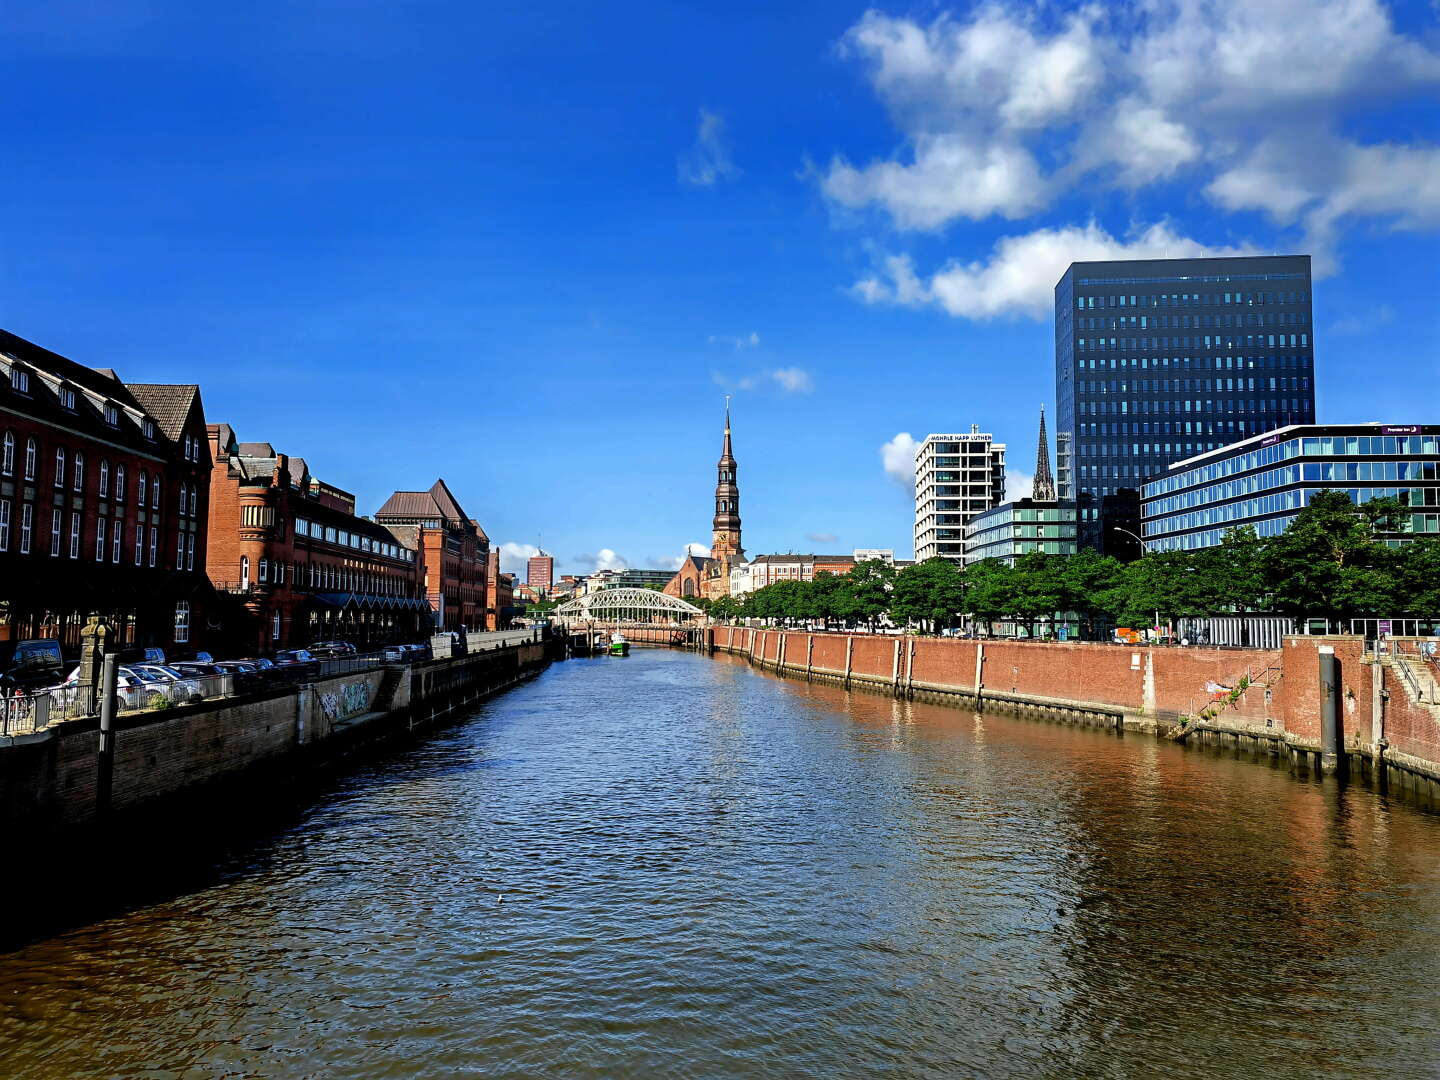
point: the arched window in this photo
(140, 487)
(155, 494)
(7, 454)
(119, 485)
(59, 466)
(244, 569)
(687, 588)
(264, 569)
(79, 471)
(30, 454)
(104, 479)
(183, 489)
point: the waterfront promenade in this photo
(678, 865)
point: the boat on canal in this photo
(618, 645)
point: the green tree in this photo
(1037, 588)
(1417, 579)
(931, 593)
(1328, 562)
(1087, 578)
(869, 590)
(989, 591)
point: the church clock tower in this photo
(725, 541)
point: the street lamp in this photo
(1127, 532)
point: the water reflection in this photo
(677, 866)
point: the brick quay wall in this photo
(1267, 701)
(52, 780)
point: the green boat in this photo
(619, 646)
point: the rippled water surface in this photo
(672, 866)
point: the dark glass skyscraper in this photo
(1160, 359)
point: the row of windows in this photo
(1184, 386)
(1363, 472)
(1307, 446)
(1205, 341)
(331, 535)
(1292, 498)
(1009, 549)
(1192, 322)
(1106, 428)
(1281, 362)
(1194, 279)
(74, 468)
(324, 576)
(20, 383)
(1188, 299)
(1272, 407)
(109, 540)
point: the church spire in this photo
(1044, 487)
(725, 540)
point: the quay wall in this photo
(1263, 700)
(54, 778)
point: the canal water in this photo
(674, 866)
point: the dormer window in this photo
(20, 380)
(148, 427)
(67, 398)
(112, 414)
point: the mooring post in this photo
(895, 670)
(1329, 710)
(809, 656)
(979, 661)
(105, 758)
(849, 652)
(910, 671)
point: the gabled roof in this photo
(446, 501)
(168, 403)
(410, 504)
(256, 449)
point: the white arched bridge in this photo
(628, 607)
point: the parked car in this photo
(331, 650)
(394, 654)
(247, 677)
(197, 669)
(259, 663)
(184, 688)
(149, 654)
(135, 690)
(291, 657)
(30, 664)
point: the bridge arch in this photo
(627, 606)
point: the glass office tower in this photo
(1158, 360)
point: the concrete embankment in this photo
(1264, 701)
(57, 779)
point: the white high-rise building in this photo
(956, 477)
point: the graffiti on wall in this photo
(346, 700)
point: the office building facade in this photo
(1264, 482)
(540, 572)
(956, 477)
(1163, 359)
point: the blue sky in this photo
(530, 250)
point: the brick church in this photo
(709, 577)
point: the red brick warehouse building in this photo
(453, 552)
(298, 563)
(104, 493)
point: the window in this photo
(190, 552)
(79, 471)
(100, 540)
(140, 543)
(74, 536)
(112, 414)
(57, 524)
(264, 570)
(117, 533)
(20, 380)
(119, 483)
(244, 569)
(180, 549)
(154, 543)
(30, 455)
(182, 500)
(67, 398)
(155, 494)
(140, 490)
(187, 447)
(279, 573)
(59, 466)
(195, 502)
(148, 427)
(104, 479)
(182, 621)
(7, 454)
(27, 523)
(4, 524)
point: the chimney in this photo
(281, 478)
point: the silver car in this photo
(181, 688)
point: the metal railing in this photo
(21, 714)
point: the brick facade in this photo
(453, 552)
(104, 494)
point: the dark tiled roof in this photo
(256, 449)
(99, 382)
(410, 504)
(168, 403)
(446, 501)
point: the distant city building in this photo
(1158, 360)
(453, 554)
(1265, 480)
(540, 571)
(104, 501)
(886, 555)
(629, 579)
(766, 570)
(956, 477)
(1040, 523)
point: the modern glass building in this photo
(1014, 528)
(1159, 360)
(956, 477)
(1265, 480)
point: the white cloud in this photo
(1020, 275)
(791, 380)
(1007, 107)
(898, 458)
(708, 160)
(821, 537)
(515, 557)
(747, 341)
(1018, 485)
(604, 559)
